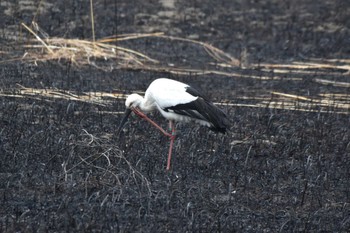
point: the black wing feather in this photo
(194, 92)
(202, 109)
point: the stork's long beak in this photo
(126, 115)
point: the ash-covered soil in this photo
(284, 166)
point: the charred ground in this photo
(284, 165)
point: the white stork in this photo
(176, 101)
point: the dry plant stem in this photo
(129, 36)
(92, 21)
(214, 52)
(38, 38)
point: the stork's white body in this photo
(176, 101)
(167, 95)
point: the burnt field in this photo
(280, 69)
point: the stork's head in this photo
(132, 103)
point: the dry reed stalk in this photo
(81, 51)
(37, 37)
(331, 82)
(297, 97)
(291, 107)
(92, 21)
(331, 60)
(339, 104)
(304, 67)
(217, 54)
(98, 98)
(323, 102)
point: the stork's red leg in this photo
(142, 115)
(172, 138)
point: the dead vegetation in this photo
(107, 55)
(283, 167)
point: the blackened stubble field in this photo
(285, 169)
